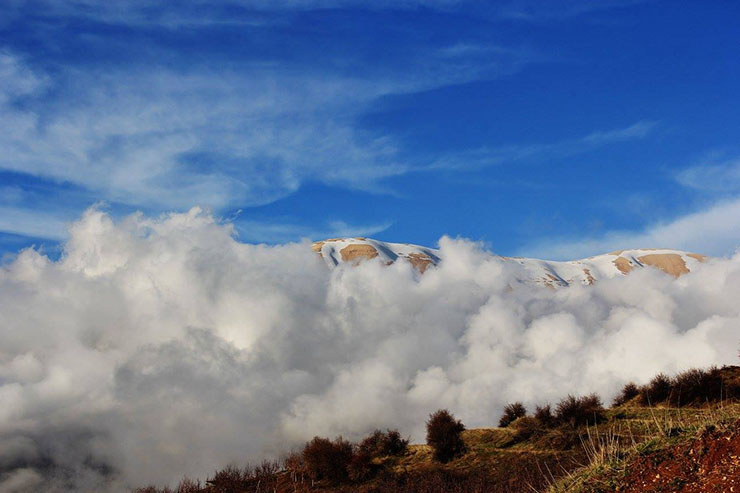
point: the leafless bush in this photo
(379, 444)
(658, 390)
(512, 412)
(327, 460)
(543, 414)
(629, 392)
(444, 435)
(578, 411)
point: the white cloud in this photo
(32, 223)
(156, 137)
(713, 231)
(274, 232)
(159, 347)
(716, 177)
(487, 156)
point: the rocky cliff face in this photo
(676, 263)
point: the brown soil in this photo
(697, 256)
(420, 261)
(711, 462)
(358, 252)
(670, 263)
(317, 246)
(623, 265)
(589, 278)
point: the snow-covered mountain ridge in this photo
(544, 272)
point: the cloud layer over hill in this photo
(162, 346)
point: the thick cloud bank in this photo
(159, 347)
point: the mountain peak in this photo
(336, 251)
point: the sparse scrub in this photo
(629, 392)
(578, 411)
(696, 386)
(690, 387)
(526, 427)
(188, 485)
(549, 447)
(444, 435)
(512, 412)
(379, 444)
(543, 414)
(327, 460)
(658, 390)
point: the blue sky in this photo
(553, 129)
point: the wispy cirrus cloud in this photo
(284, 231)
(715, 176)
(33, 223)
(712, 229)
(490, 156)
(535, 11)
(166, 138)
(200, 12)
(204, 13)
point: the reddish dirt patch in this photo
(708, 463)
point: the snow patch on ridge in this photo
(548, 273)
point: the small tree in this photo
(444, 435)
(327, 460)
(512, 412)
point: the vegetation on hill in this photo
(678, 433)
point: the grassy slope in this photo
(618, 454)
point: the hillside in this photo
(631, 446)
(541, 272)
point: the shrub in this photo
(629, 392)
(696, 386)
(188, 485)
(444, 435)
(658, 390)
(379, 444)
(512, 412)
(526, 427)
(544, 415)
(327, 460)
(229, 477)
(393, 444)
(578, 411)
(293, 461)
